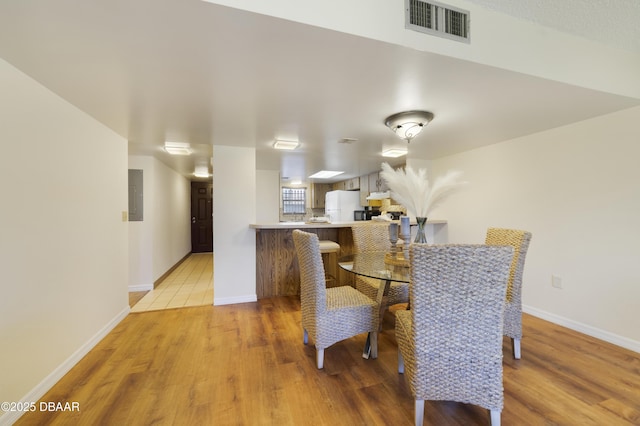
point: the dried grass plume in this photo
(413, 191)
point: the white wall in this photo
(63, 243)
(164, 236)
(576, 188)
(267, 196)
(171, 218)
(234, 208)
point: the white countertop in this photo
(302, 225)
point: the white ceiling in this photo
(191, 71)
(612, 22)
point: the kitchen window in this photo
(294, 200)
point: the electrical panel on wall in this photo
(135, 196)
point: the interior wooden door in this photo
(201, 217)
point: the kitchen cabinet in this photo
(374, 182)
(318, 192)
(377, 183)
(382, 184)
(339, 186)
(352, 184)
(364, 190)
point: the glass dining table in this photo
(380, 265)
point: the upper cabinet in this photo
(352, 184)
(318, 193)
(382, 184)
(347, 185)
(376, 183)
(339, 186)
(364, 190)
(366, 184)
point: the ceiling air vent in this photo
(437, 19)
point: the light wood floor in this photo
(189, 284)
(245, 364)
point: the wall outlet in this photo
(556, 281)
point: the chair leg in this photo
(419, 414)
(305, 336)
(381, 314)
(400, 362)
(495, 417)
(320, 358)
(516, 348)
(374, 344)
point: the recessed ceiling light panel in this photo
(201, 171)
(178, 148)
(394, 152)
(286, 145)
(325, 174)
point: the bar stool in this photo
(329, 251)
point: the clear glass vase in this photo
(420, 236)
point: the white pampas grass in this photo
(412, 189)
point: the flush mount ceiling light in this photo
(394, 152)
(324, 174)
(287, 145)
(201, 171)
(408, 124)
(178, 148)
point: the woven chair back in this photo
(457, 301)
(519, 240)
(313, 293)
(371, 236)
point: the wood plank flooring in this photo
(245, 364)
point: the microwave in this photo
(365, 214)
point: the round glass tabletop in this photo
(376, 264)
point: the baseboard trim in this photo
(217, 301)
(45, 385)
(615, 339)
(140, 287)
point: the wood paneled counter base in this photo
(277, 271)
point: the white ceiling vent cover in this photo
(437, 19)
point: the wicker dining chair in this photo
(372, 236)
(450, 342)
(519, 240)
(330, 315)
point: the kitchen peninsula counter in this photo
(302, 225)
(312, 225)
(277, 271)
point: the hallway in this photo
(190, 284)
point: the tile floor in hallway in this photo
(190, 284)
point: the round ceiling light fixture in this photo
(408, 124)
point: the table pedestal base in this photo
(382, 299)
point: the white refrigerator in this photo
(340, 205)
